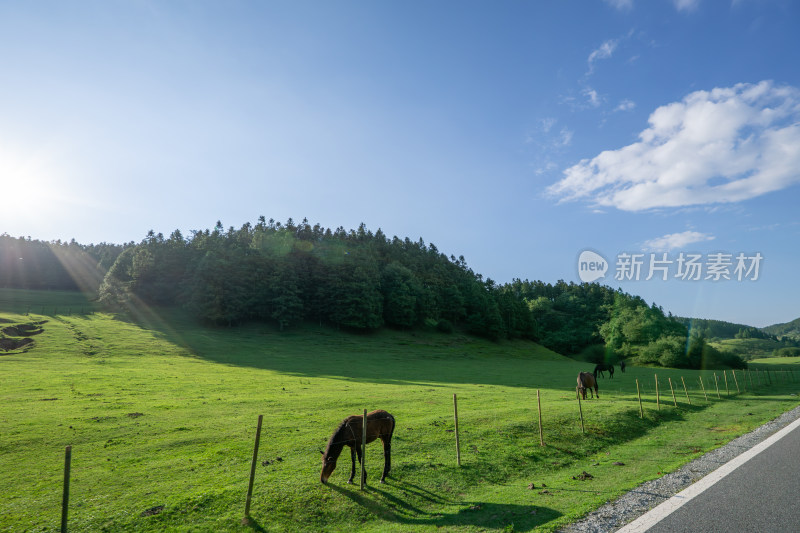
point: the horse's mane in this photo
(337, 440)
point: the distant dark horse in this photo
(622, 365)
(380, 425)
(602, 367)
(586, 381)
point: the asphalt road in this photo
(761, 495)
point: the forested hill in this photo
(360, 281)
(291, 272)
(719, 329)
(789, 329)
(26, 263)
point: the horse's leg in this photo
(387, 456)
(357, 452)
(352, 464)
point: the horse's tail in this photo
(392, 430)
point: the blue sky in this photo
(515, 133)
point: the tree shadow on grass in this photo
(251, 523)
(381, 357)
(390, 507)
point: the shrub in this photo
(666, 351)
(598, 353)
(444, 325)
(786, 352)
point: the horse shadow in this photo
(391, 507)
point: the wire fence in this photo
(653, 395)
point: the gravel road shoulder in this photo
(627, 508)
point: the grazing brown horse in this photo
(603, 367)
(380, 425)
(586, 380)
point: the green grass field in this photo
(161, 416)
(782, 362)
(748, 349)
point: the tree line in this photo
(600, 324)
(27, 263)
(287, 273)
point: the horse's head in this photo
(580, 390)
(328, 466)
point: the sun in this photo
(29, 186)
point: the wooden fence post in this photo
(65, 494)
(704, 389)
(658, 400)
(750, 377)
(673, 392)
(580, 410)
(253, 470)
(736, 381)
(541, 431)
(686, 391)
(639, 395)
(716, 384)
(455, 416)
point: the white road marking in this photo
(652, 517)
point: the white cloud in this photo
(622, 5)
(592, 97)
(686, 5)
(547, 124)
(604, 52)
(546, 168)
(546, 137)
(564, 137)
(676, 240)
(625, 105)
(548, 141)
(680, 5)
(720, 146)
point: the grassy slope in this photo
(46, 302)
(790, 329)
(748, 349)
(786, 363)
(166, 416)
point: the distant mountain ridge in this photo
(721, 329)
(787, 329)
(710, 328)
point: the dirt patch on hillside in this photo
(8, 344)
(22, 330)
(18, 336)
